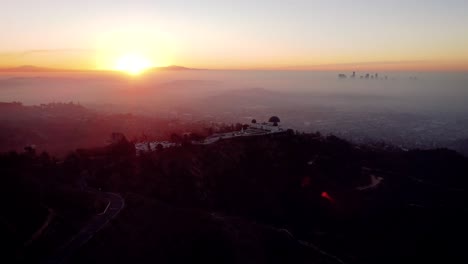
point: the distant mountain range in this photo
(28, 68)
(31, 68)
(174, 68)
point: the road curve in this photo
(116, 203)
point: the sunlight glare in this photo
(133, 64)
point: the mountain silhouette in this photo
(174, 68)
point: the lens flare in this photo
(133, 64)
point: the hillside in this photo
(58, 128)
(165, 234)
(300, 198)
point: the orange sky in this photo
(315, 35)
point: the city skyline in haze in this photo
(321, 35)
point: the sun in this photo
(133, 63)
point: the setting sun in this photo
(133, 64)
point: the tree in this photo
(116, 138)
(30, 150)
(196, 137)
(119, 144)
(275, 120)
(159, 147)
(176, 138)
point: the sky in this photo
(295, 34)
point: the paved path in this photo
(116, 203)
(375, 181)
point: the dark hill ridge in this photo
(299, 198)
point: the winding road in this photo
(116, 203)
